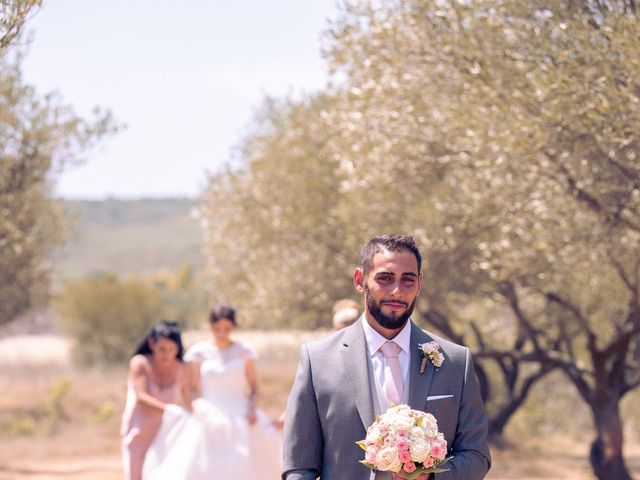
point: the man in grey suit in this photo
(345, 380)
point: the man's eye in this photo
(384, 278)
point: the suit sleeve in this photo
(303, 440)
(471, 459)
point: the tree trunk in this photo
(483, 381)
(606, 450)
(517, 397)
(498, 422)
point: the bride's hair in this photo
(163, 329)
(222, 311)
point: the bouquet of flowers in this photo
(405, 441)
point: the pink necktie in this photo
(393, 386)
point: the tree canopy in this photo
(39, 135)
(13, 15)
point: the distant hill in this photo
(140, 236)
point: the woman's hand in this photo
(251, 415)
(279, 422)
(250, 373)
(173, 409)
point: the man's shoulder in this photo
(443, 342)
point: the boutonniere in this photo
(430, 351)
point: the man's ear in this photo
(358, 280)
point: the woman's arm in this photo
(250, 372)
(139, 373)
(195, 387)
(186, 386)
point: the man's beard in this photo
(390, 322)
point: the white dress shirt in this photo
(379, 363)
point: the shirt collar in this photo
(375, 340)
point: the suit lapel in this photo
(419, 383)
(355, 357)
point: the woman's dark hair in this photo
(222, 311)
(163, 329)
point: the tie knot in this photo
(390, 349)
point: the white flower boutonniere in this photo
(430, 351)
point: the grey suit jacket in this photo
(330, 407)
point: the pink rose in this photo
(428, 462)
(438, 449)
(404, 456)
(409, 467)
(402, 445)
(371, 455)
(389, 441)
(402, 434)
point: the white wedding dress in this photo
(216, 441)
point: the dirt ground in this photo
(74, 435)
(87, 460)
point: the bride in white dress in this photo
(227, 436)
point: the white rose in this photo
(416, 432)
(430, 425)
(403, 423)
(387, 460)
(438, 359)
(419, 449)
(392, 412)
(374, 436)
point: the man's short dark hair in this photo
(391, 242)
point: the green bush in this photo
(23, 426)
(184, 297)
(107, 316)
(55, 403)
(103, 413)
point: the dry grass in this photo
(83, 443)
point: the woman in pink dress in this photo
(157, 382)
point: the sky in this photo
(184, 77)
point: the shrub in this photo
(55, 403)
(107, 316)
(103, 413)
(23, 426)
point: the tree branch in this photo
(587, 199)
(575, 311)
(622, 273)
(631, 386)
(507, 289)
(575, 373)
(441, 323)
(623, 337)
